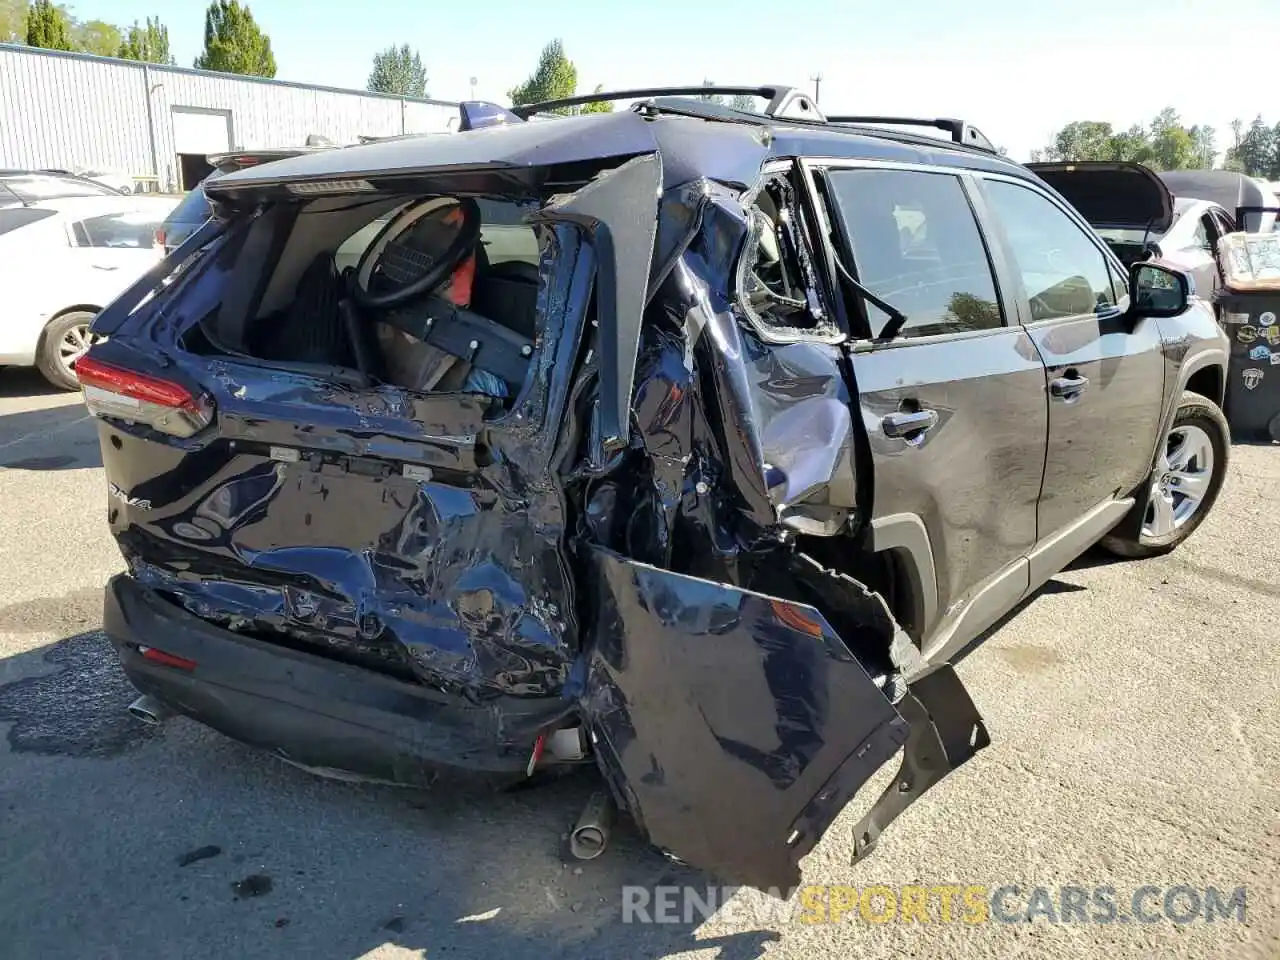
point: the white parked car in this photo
(120, 182)
(64, 260)
(1177, 216)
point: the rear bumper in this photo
(313, 711)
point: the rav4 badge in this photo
(128, 500)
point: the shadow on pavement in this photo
(1093, 557)
(42, 428)
(123, 839)
(25, 382)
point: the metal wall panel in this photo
(68, 110)
(429, 117)
(65, 111)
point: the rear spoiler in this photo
(240, 159)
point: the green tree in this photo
(972, 312)
(1132, 145)
(598, 106)
(398, 70)
(95, 36)
(715, 98)
(1172, 146)
(1231, 159)
(48, 26)
(555, 77)
(233, 42)
(13, 21)
(1255, 152)
(1081, 140)
(743, 101)
(149, 43)
(1203, 139)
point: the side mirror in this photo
(1157, 291)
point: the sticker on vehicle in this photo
(1272, 334)
(1260, 353)
(1275, 359)
(1266, 318)
(1247, 334)
(1252, 377)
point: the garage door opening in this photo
(198, 132)
(192, 168)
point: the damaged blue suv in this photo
(685, 441)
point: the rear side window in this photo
(778, 285)
(916, 245)
(14, 217)
(131, 229)
(1064, 272)
(193, 208)
(1201, 239)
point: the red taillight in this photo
(138, 398)
(159, 237)
(166, 659)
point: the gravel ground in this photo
(1133, 708)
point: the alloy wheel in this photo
(73, 345)
(1180, 482)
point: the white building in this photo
(75, 111)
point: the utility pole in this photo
(817, 87)
(473, 88)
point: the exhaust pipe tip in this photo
(149, 710)
(590, 834)
(587, 843)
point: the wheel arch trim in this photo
(905, 536)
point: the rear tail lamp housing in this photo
(121, 394)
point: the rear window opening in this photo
(429, 293)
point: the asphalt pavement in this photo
(1134, 711)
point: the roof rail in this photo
(960, 131)
(783, 101)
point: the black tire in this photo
(49, 355)
(1193, 410)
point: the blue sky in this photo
(1017, 70)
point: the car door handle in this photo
(1068, 388)
(904, 424)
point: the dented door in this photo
(735, 726)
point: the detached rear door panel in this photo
(735, 726)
